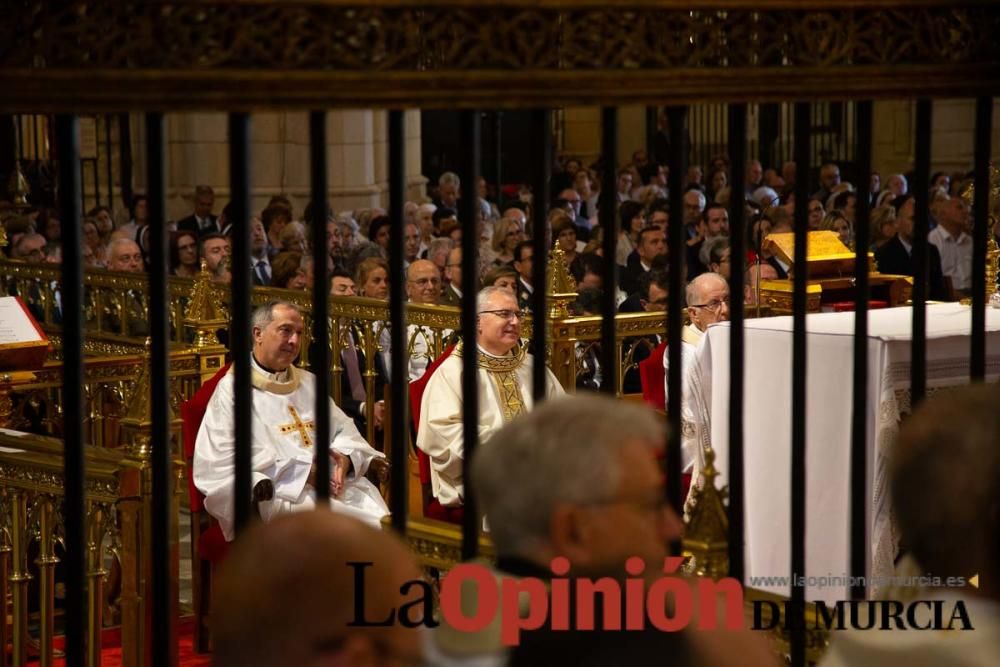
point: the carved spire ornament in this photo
(561, 287)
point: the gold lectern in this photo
(830, 286)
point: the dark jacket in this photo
(892, 258)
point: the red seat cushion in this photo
(651, 377)
(848, 306)
(192, 412)
(424, 462)
(212, 545)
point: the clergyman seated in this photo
(284, 433)
(505, 385)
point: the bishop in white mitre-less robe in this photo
(284, 434)
(504, 393)
(695, 425)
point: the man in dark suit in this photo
(651, 244)
(354, 362)
(523, 255)
(451, 295)
(896, 255)
(649, 298)
(203, 221)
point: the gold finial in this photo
(968, 193)
(706, 538)
(205, 313)
(17, 188)
(561, 287)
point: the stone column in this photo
(357, 152)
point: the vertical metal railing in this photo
(398, 401)
(239, 324)
(320, 303)
(676, 117)
(541, 130)
(921, 254)
(468, 209)
(68, 141)
(859, 405)
(799, 402)
(159, 330)
(608, 217)
(125, 157)
(737, 131)
(980, 230)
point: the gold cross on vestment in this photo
(300, 426)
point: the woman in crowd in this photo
(632, 221)
(373, 278)
(184, 255)
(92, 242)
(287, 271)
(505, 239)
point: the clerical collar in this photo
(691, 334)
(284, 382)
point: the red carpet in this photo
(111, 655)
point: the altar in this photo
(767, 428)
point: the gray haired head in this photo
(568, 450)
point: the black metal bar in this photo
(97, 179)
(798, 485)
(737, 238)
(321, 302)
(859, 407)
(652, 121)
(125, 157)
(921, 254)
(159, 331)
(981, 206)
(107, 151)
(498, 153)
(68, 142)
(608, 217)
(676, 117)
(541, 129)
(239, 329)
(470, 136)
(399, 409)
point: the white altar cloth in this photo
(767, 429)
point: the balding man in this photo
(287, 593)
(31, 248)
(707, 303)
(125, 255)
(423, 286)
(504, 380)
(284, 433)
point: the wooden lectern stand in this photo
(830, 266)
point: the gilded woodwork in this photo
(31, 487)
(459, 53)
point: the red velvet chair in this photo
(652, 377)
(208, 545)
(432, 508)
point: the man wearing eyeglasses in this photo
(708, 303)
(504, 380)
(423, 286)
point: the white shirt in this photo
(956, 256)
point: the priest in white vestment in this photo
(284, 434)
(505, 391)
(707, 302)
